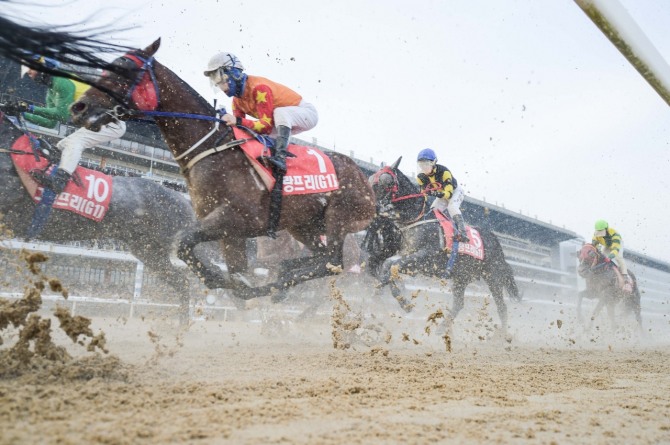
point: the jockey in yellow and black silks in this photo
(609, 241)
(437, 180)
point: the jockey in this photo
(609, 242)
(278, 109)
(61, 94)
(436, 180)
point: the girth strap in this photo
(200, 156)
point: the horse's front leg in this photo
(205, 230)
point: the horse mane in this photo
(405, 185)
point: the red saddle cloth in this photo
(474, 248)
(311, 171)
(91, 200)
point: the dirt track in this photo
(285, 382)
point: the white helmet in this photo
(223, 60)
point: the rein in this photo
(394, 190)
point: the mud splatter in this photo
(34, 350)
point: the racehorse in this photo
(142, 214)
(605, 282)
(405, 226)
(228, 195)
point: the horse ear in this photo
(396, 163)
(151, 49)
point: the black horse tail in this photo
(382, 240)
(21, 43)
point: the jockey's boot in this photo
(281, 143)
(460, 225)
(55, 182)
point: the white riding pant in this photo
(74, 145)
(453, 205)
(618, 259)
(301, 118)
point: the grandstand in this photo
(541, 254)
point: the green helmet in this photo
(601, 224)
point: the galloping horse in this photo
(142, 214)
(406, 227)
(228, 195)
(605, 282)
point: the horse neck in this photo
(177, 96)
(411, 204)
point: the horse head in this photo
(132, 88)
(397, 194)
(384, 183)
(589, 259)
(136, 89)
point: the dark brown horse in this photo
(605, 283)
(230, 202)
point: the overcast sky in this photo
(528, 104)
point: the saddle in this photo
(88, 195)
(474, 247)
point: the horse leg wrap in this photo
(275, 207)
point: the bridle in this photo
(590, 256)
(393, 188)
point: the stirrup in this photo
(278, 163)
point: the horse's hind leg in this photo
(496, 289)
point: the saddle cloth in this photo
(91, 200)
(474, 248)
(311, 171)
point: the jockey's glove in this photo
(611, 256)
(423, 178)
(435, 193)
(14, 108)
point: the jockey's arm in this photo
(57, 109)
(447, 184)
